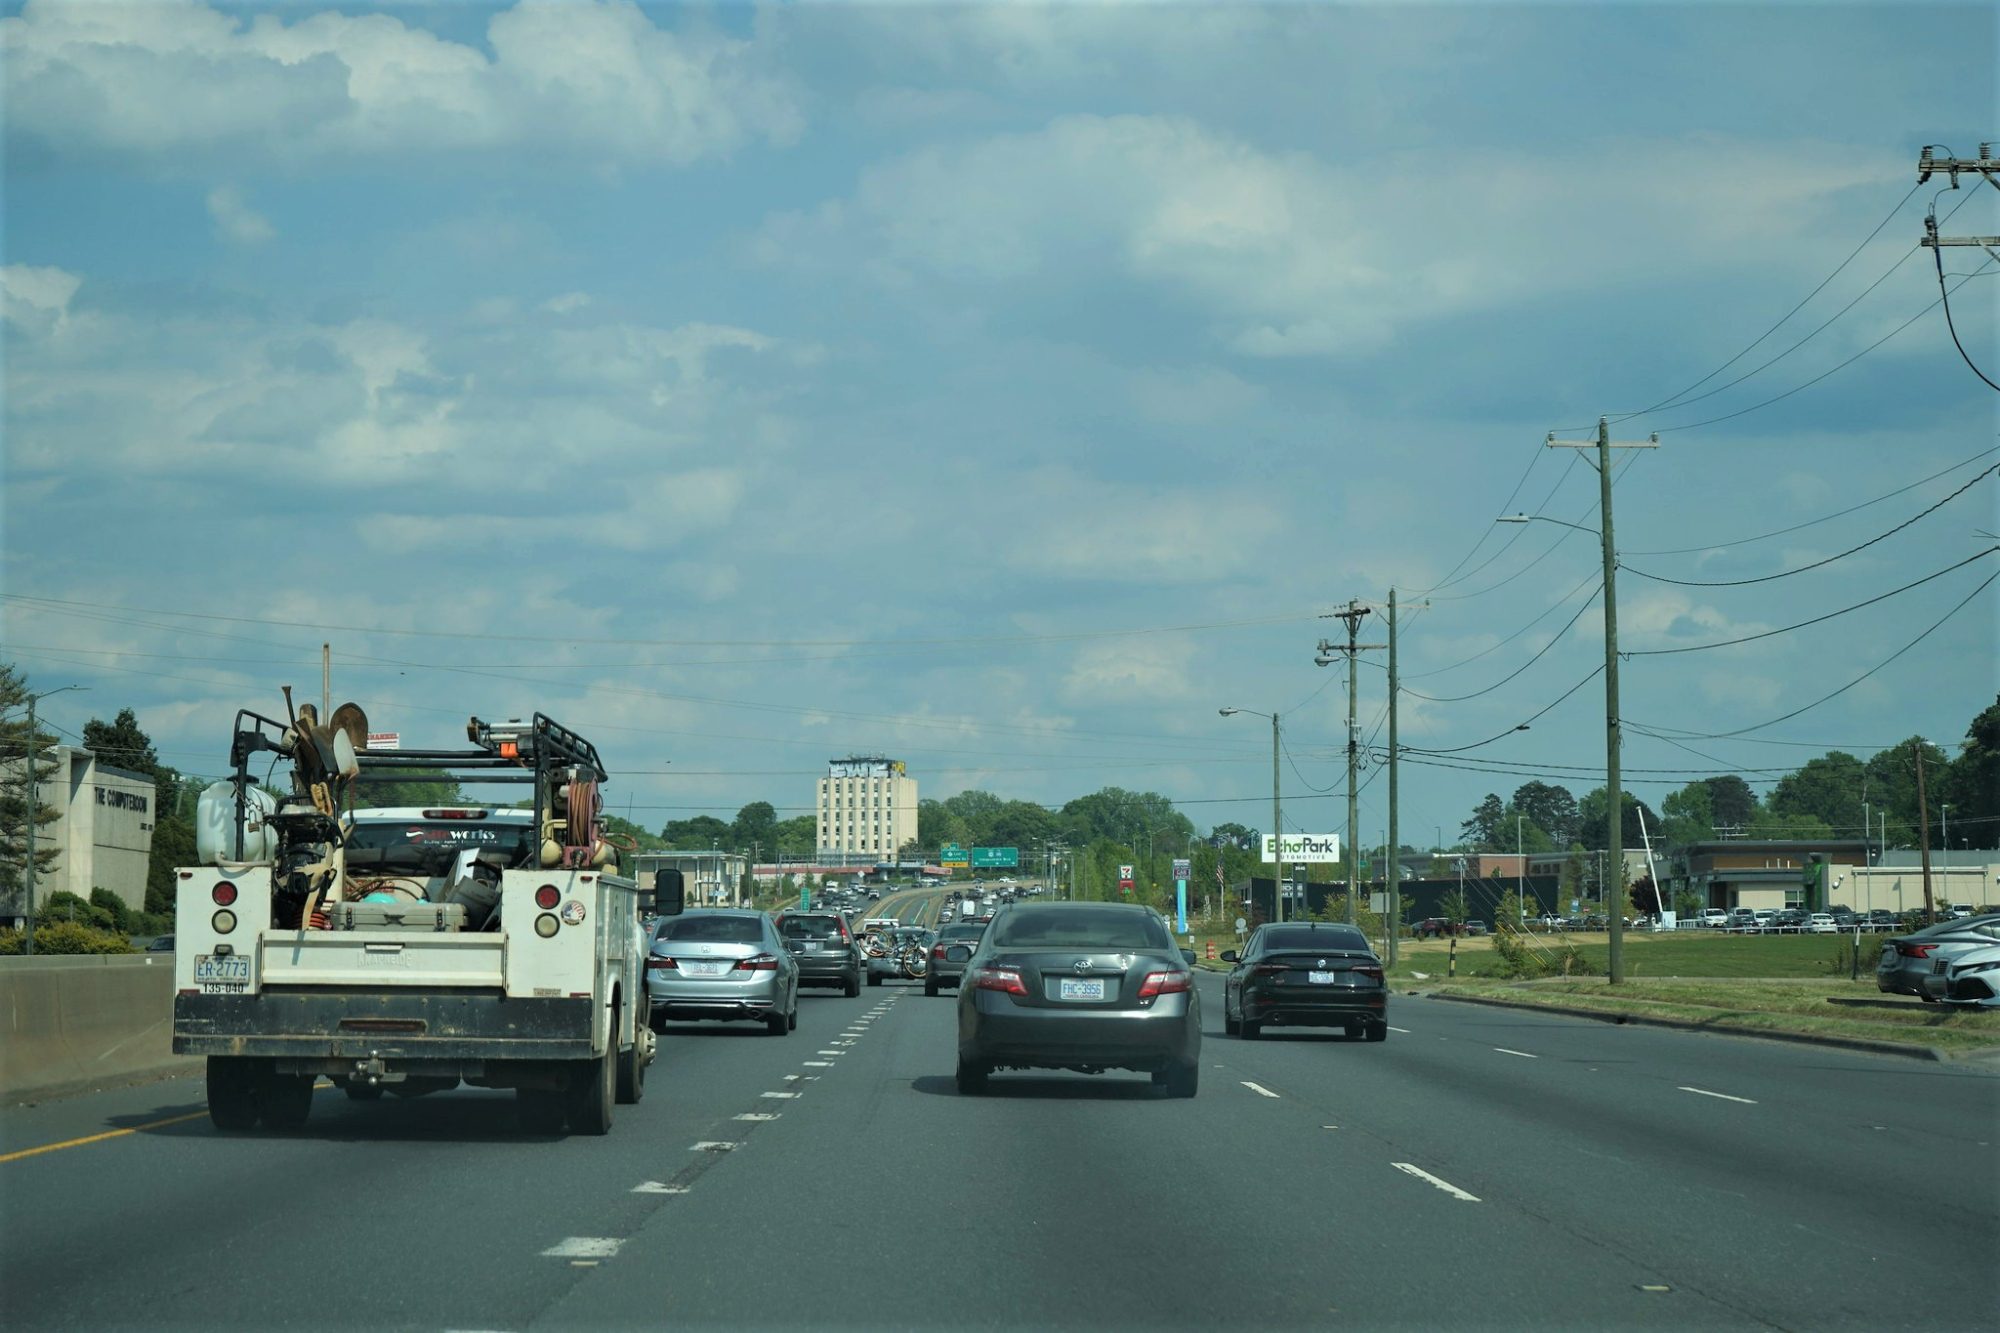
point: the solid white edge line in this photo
(1404, 1031)
(1704, 1092)
(1410, 1168)
(1259, 1089)
(1523, 1054)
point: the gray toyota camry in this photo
(1079, 986)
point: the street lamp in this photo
(34, 805)
(1277, 816)
(1614, 786)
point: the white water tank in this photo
(215, 825)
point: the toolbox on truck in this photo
(408, 915)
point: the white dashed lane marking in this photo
(659, 1187)
(758, 1116)
(584, 1247)
(1704, 1092)
(819, 1064)
(712, 1145)
(1523, 1054)
(1259, 1089)
(1404, 1031)
(779, 1094)
(1445, 1185)
(833, 1052)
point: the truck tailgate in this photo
(382, 958)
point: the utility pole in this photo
(325, 681)
(1393, 900)
(1278, 836)
(1614, 782)
(1329, 653)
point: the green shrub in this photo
(113, 906)
(1516, 955)
(62, 905)
(66, 937)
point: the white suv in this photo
(1713, 916)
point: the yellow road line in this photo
(99, 1138)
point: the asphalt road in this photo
(1482, 1168)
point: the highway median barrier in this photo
(76, 1022)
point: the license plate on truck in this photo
(230, 971)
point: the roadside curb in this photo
(1906, 1049)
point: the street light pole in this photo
(1277, 815)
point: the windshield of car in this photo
(1079, 928)
(717, 929)
(810, 927)
(1339, 937)
(418, 840)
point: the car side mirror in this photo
(669, 893)
(1231, 956)
(1187, 956)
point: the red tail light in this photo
(1368, 970)
(1000, 979)
(1269, 970)
(1915, 950)
(763, 962)
(547, 896)
(1165, 983)
(659, 964)
(224, 893)
(937, 951)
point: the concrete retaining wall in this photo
(69, 1023)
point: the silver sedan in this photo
(722, 963)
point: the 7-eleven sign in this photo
(1125, 880)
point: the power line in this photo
(1816, 620)
(1944, 296)
(1552, 609)
(1788, 573)
(1553, 641)
(1824, 518)
(1730, 416)
(1658, 732)
(1432, 762)
(1520, 726)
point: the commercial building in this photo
(867, 808)
(103, 830)
(712, 879)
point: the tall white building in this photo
(867, 807)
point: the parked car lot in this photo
(1907, 961)
(1079, 986)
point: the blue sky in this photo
(1004, 388)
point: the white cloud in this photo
(1152, 670)
(36, 299)
(567, 302)
(599, 81)
(236, 219)
(1287, 253)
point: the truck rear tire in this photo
(588, 1103)
(287, 1099)
(232, 1093)
(632, 1069)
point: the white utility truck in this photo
(409, 949)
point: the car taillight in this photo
(659, 964)
(547, 896)
(1164, 983)
(1369, 970)
(1269, 970)
(224, 894)
(937, 951)
(1000, 979)
(763, 962)
(1915, 950)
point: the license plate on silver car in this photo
(1081, 988)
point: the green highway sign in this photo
(951, 854)
(994, 858)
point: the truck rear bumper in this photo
(402, 1026)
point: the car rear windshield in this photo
(714, 929)
(422, 840)
(1315, 939)
(961, 932)
(1079, 928)
(810, 927)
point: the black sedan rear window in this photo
(714, 929)
(1079, 928)
(1341, 938)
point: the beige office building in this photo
(867, 808)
